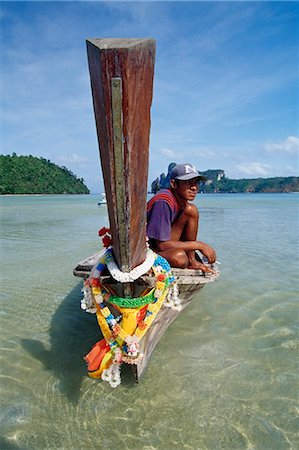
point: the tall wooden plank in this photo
(121, 74)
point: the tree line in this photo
(218, 183)
(32, 175)
(277, 184)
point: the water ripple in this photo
(224, 376)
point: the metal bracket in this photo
(117, 116)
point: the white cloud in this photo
(290, 145)
(167, 152)
(254, 169)
(292, 170)
(73, 158)
(206, 152)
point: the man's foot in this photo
(200, 266)
(196, 262)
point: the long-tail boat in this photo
(134, 292)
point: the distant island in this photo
(218, 183)
(32, 175)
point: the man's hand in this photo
(208, 251)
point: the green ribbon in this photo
(133, 302)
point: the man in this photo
(172, 222)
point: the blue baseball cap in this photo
(185, 172)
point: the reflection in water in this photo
(72, 334)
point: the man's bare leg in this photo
(176, 258)
(185, 228)
(190, 234)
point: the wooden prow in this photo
(121, 74)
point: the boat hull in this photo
(189, 282)
(162, 321)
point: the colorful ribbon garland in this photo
(122, 333)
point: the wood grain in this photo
(132, 61)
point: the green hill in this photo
(217, 182)
(31, 175)
(277, 184)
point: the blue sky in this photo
(225, 87)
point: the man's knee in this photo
(179, 259)
(191, 210)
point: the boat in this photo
(134, 292)
(189, 282)
(103, 201)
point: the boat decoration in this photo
(124, 321)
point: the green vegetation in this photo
(277, 184)
(31, 175)
(217, 182)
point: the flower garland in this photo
(118, 275)
(105, 234)
(129, 277)
(123, 332)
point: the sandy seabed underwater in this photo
(225, 374)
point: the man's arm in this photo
(188, 246)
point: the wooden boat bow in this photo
(121, 75)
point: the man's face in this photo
(188, 189)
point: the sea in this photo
(223, 376)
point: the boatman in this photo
(172, 222)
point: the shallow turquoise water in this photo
(225, 375)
